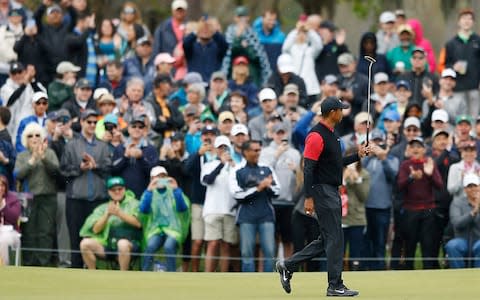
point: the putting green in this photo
(50, 283)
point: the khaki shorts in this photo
(198, 226)
(221, 227)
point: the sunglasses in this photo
(138, 126)
(44, 103)
(33, 135)
(91, 122)
(412, 129)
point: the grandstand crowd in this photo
(181, 148)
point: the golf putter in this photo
(372, 61)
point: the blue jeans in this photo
(354, 236)
(170, 248)
(457, 250)
(378, 221)
(248, 234)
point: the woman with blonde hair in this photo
(36, 169)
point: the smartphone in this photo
(30, 23)
(167, 142)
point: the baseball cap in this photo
(377, 134)
(221, 140)
(470, 178)
(400, 13)
(157, 170)
(332, 103)
(164, 57)
(285, 63)
(218, 75)
(291, 88)
(138, 119)
(179, 4)
(440, 131)
(177, 136)
(418, 140)
(54, 8)
(440, 115)
(144, 40)
(330, 79)
(240, 60)
(404, 28)
(411, 121)
(207, 116)
(226, 115)
(193, 77)
(380, 77)
(386, 17)
(111, 118)
(58, 114)
(279, 127)
(328, 25)
(66, 66)
(16, 67)
(99, 92)
(402, 83)
(267, 94)
(469, 144)
(209, 129)
(345, 59)
(239, 129)
(83, 83)
(392, 115)
(87, 113)
(16, 12)
(463, 118)
(241, 11)
(362, 117)
(37, 96)
(449, 73)
(418, 49)
(115, 181)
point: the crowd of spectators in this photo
(187, 140)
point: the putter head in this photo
(370, 59)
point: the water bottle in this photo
(159, 267)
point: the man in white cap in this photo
(238, 135)
(258, 125)
(387, 37)
(465, 218)
(61, 89)
(40, 106)
(285, 75)
(169, 33)
(446, 99)
(219, 217)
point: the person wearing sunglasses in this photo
(40, 106)
(34, 169)
(133, 159)
(86, 163)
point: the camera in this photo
(64, 120)
(110, 127)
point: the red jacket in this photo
(418, 193)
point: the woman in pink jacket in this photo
(424, 43)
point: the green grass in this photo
(51, 283)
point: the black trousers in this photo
(77, 212)
(305, 230)
(328, 208)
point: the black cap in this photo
(16, 12)
(332, 103)
(83, 83)
(209, 129)
(417, 140)
(177, 136)
(16, 67)
(328, 25)
(87, 113)
(138, 119)
(161, 78)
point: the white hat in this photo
(99, 93)
(411, 121)
(470, 178)
(440, 115)
(387, 16)
(179, 4)
(285, 63)
(449, 73)
(221, 140)
(380, 77)
(157, 171)
(267, 94)
(238, 129)
(39, 95)
(66, 66)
